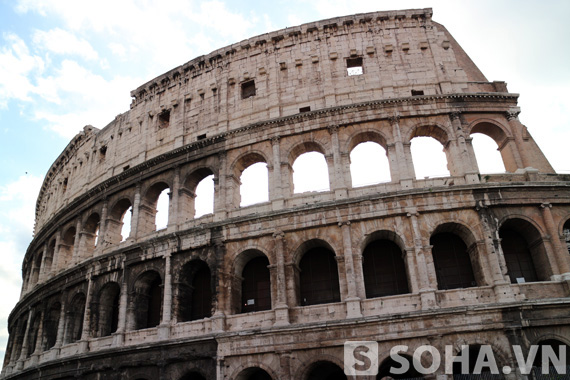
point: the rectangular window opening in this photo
(417, 92)
(164, 119)
(304, 109)
(201, 137)
(247, 89)
(354, 66)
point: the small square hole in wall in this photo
(304, 109)
(417, 92)
(164, 119)
(247, 89)
(102, 152)
(201, 137)
(354, 66)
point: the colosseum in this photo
(275, 289)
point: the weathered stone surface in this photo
(172, 304)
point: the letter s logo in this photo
(360, 357)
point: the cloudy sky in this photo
(66, 64)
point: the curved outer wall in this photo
(94, 306)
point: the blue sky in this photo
(66, 64)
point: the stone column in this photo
(61, 323)
(118, 337)
(86, 332)
(76, 254)
(42, 270)
(560, 252)
(404, 165)
(281, 307)
(337, 182)
(276, 183)
(103, 224)
(352, 301)
(164, 327)
(221, 189)
(427, 288)
(56, 259)
(411, 268)
(516, 129)
(24, 349)
(466, 156)
(136, 213)
(173, 206)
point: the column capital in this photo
(275, 140)
(341, 224)
(454, 115)
(545, 205)
(333, 129)
(394, 119)
(512, 114)
(278, 234)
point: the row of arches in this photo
(385, 269)
(261, 175)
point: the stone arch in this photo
(524, 250)
(35, 269)
(74, 318)
(502, 137)
(188, 193)
(254, 372)
(146, 300)
(193, 374)
(318, 279)
(381, 170)
(320, 368)
(383, 266)
(195, 291)
(51, 324)
(107, 310)
(33, 333)
(455, 256)
(50, 254)
(384, 369)
(441, 162)
(555, 346)
(434, 130)
(251, 288)
(21, 327)
(241, 164)
(147, 222)
(66, 247)
(114, 230)
(91, 229)
(318, 167)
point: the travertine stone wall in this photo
(94, 306)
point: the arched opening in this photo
(429, 158)
(51, 324)
(154, 214)
(389, 368)
(324, 370)
(384, 269)
(524, 252)
(66, 247)
(36, 267)
(566, 233)
(254, 184)
(75, 315)
(108, 311)
(119, 223)
(126, 221)
(91, 232)
(310, 173)
(491, 147)
(193, 376)
(33, 334)
(256, 285)
(195, 291)
(489, 159)
(451, 261)
(253, 373)
(465, 365)
(369, 164)
(318, 280)
(556, 358)
(147, 299)
(20, 336)
(204, 202)
(49, 256)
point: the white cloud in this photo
(17, 208)
(60, 41)
(16, 66)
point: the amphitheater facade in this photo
(273, 290)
